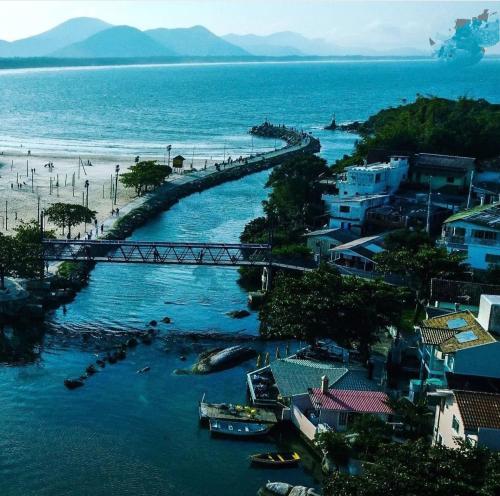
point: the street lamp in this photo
(117, 170)
(86, 185)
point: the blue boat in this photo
(240, 429)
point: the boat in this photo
(240, 429)
(280, 459)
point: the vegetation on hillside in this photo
(465, 127)
(416, 468)
(323, 304)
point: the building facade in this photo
(476, 234)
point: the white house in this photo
(320, 242)
(467, 415)
(362, 188)
(475, 233)
(459, 344)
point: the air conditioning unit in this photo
(489, 313)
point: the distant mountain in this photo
(71, 31)
(117, 41)
(282, 44)
(288, 43)
(195, 42)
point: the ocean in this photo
(125, 433)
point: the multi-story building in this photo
(362, 188)
(467, 416)
(475, 233)
(458, 344)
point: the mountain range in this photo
(89, 38)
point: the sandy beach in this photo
(28, 183)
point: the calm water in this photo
(125, 433)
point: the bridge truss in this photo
(165, 253)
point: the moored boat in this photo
(279, 459)
(240, 429)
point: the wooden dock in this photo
(243, 413)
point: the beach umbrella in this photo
(277, 352)
(259, 361)
(287, 349)
(267, 359)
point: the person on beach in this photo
(112, 212)
(102, 228)
(117, 212)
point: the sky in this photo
(368, 23)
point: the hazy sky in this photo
(349, 23)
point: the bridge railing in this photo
(112, 251)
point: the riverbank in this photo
(140, 210)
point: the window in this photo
(459, 231)
(484, 234)
(492, 259)
(450, 179)
(343, 419)
(345, 208)
(454, 424)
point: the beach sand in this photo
(21, 203)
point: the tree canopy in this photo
(465, 127)
(68, 215)
(416, 468)
(144, 175)
(322, 303)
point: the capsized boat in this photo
(277, 460)
(241, 429)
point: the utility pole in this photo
(6, 218)
(87, 188)
(117, 170)
(470, 189)
(32, 187)
(428, 224)
(169, 147)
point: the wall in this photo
(443, 421)
(480, 361)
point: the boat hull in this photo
(238, 429)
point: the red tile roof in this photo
(343, 400)
(479, 409)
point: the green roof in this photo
(294, 376)
(477, 214)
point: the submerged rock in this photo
(131, 343)
(166, 320)
(73, 383)
(223, 359)
(153, 323)
(238, 314)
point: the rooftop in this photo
(338, 234)
(358, 242)
(478, 409)
(448, 162)
(342, 400)
(296, 376)
(482, 215)
(455, 331)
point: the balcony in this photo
(464, 241)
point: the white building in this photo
(476, 233)
(361, 188)
(467, 415)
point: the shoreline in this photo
(140, 210)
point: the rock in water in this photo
(238, 314)
(73, 383)
(223, 359)
(166, 320)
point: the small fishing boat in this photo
(240, 429)
(276, 459)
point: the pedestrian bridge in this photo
(152, 252)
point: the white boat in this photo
(241, 429)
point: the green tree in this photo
(416, 416)
(9, 251)
(335, 445)
(420, 266)
(369, 434)
(416, 468)
(145, 175)
(322, 303)
(68, 215)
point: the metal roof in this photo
(478, 409)
(295, 376)
(448, 162)
(483, 215)
(351, 401)
(432, 335)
